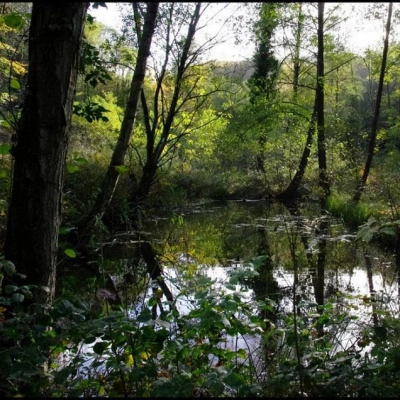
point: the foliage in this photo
(14, 22)
(352, 214)
(196, 351)
(89, 348)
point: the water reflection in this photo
(299, 247)
(303, 260)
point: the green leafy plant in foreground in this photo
(216, 345)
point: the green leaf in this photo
(388, 231)
(10, 289)
(14, 84)
(17, 298)
(234, 380)
(145, 315)
(122, 169)
(81, 160)
(64, 230)
(14, 21)
(71, 169)
(241, 353)
(8, 267)
(6, 124)
(70, 253)
(5, 149)
(99, 347)
(89, 339)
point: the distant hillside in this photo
(241, 70)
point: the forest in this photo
(174, 225)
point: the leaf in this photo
(99, 347)
(10, 289)
(8, 267)
(81, 160)
(241, 353)
(122, 169)
(89, 339)
(64, 230)
(17, 298)
(14, 21)
(6, 124)
(388, 231)
(5, 149)
(234, 380)
(70, 253)
(71, 169)
(145, 315)
(14, 84)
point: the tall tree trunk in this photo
(55, 38)
(374, 129)
(290, 192)
(296, 66)
(111, 179)
(320, 107)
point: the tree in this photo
(266, 68)
(117, 161)
(170, 110)
(320, 107)
(41, 142)
(374, 128)
(291, 190)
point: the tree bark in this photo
(320, 108)
(41, 145)
(111, 179)
(290, 192)
(374, 129)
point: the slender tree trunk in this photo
(320, 97)
(374, 129)
(296, 66)
(41, 144)
(111, 179)
(290, 192)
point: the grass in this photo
(353, 214)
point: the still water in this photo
(212, 238)
(218, 240)
(294, 260)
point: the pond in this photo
(247, 272)
(219, 239)
(213, 237)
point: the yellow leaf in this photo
(144, 355)
(128, 359)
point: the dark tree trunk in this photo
(290, 192)
(41, 144)
(320, 107)
(296, 66)
(374, 129)
(111, 179)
